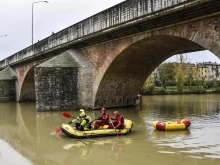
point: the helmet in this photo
(82, 114)
(103, 110)
(116, 113)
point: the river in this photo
(28, 137)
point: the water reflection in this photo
(33, 134)
(111, 146)
(156, 134)
(179, 107)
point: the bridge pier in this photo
(64, 82)
(8, 80)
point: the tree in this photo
(166, 73)
(196, 77)
(180, 76)
(189, 71)
(148, 87)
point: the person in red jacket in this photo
(118, 121)
(104, 119)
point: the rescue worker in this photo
(84, 121)
(118, 121)
(104, 119)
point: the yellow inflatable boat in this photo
(102, 131)
(171, 125)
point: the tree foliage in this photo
(189, 72)
(180, 76)
(166, 73)
(148, 87)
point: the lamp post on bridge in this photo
(3, 35)
(33, 18)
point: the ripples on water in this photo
(33, 134)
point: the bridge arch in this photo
(26, 84)
(124, 71)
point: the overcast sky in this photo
(15, 18)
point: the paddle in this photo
(118, 137)
(58, 129)
(67, 115)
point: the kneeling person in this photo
(84, 121)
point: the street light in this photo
(33, 17)
(3, 35)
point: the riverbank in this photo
(172, 90)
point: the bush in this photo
(209, 84)
(198, 90)
(217, 90)
(160, 91)
(148, 87)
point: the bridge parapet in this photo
(120, 14)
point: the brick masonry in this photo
(122, 66)
(57, 83)
(25, 88)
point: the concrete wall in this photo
(64, 83)
(56, 88)
(8, 80)
(7, 90)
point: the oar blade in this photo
(58, 130)
(66, 114)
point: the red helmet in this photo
(116, 113)
(103, 110)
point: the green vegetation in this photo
(166, 73)
(149, 86)
(186, 90)
(179, 78)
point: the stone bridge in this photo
(105, 59)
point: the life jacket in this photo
(84, 122)
(121, 118)
(105, 118)
(120, 121)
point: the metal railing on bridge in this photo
(119, 14)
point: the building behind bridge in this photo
(206, 71)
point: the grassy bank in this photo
(172, 90)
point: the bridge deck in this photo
(127, 18)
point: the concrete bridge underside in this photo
(109, 74)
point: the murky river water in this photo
(29, 137)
